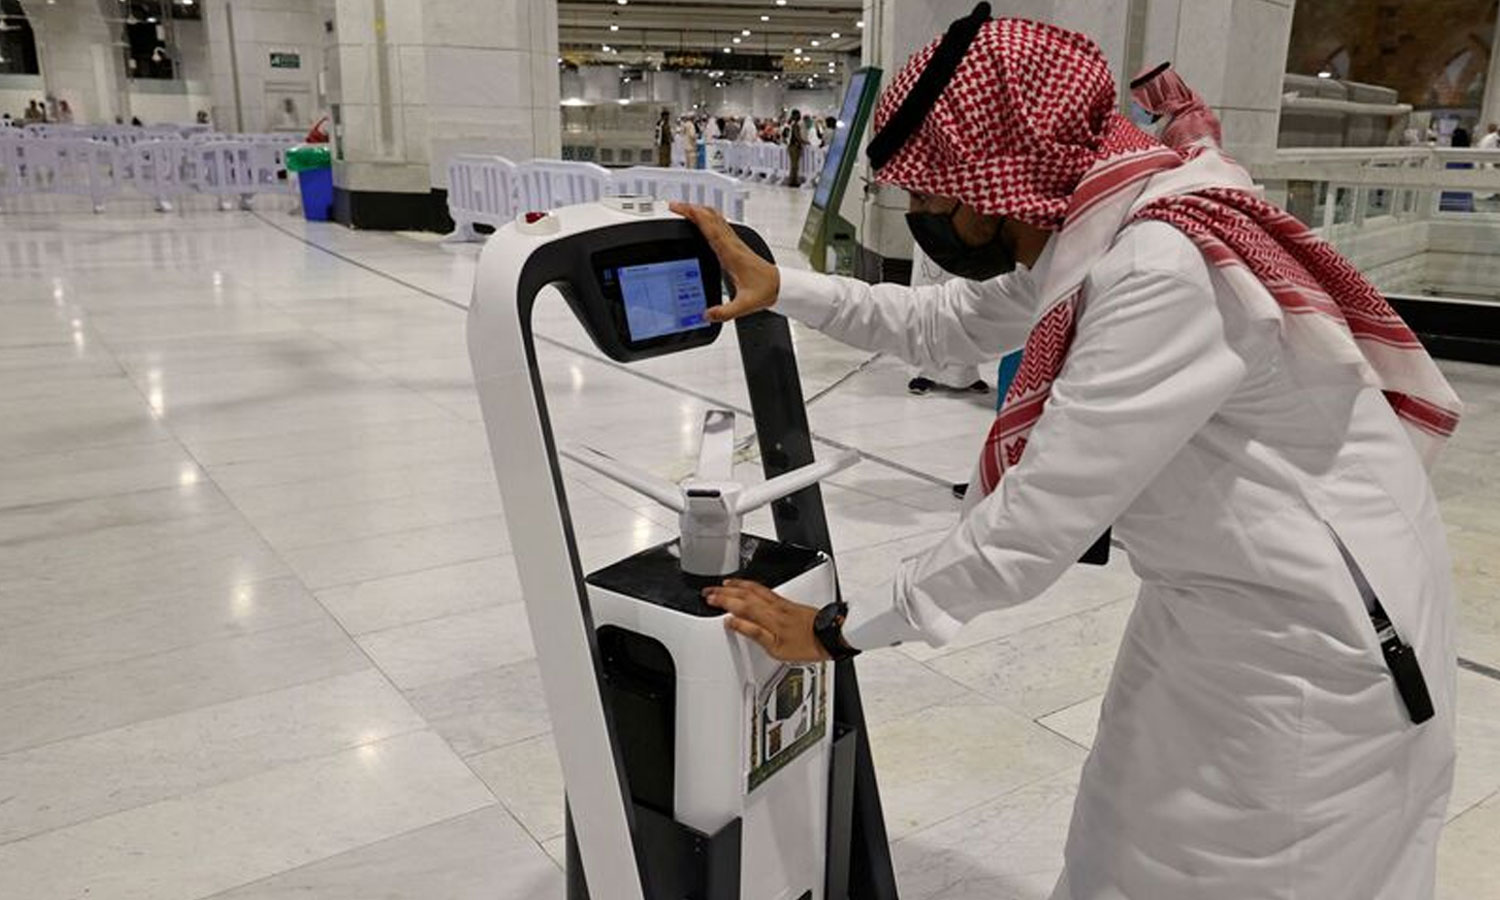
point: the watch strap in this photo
(829, 630)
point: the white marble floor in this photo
(259, 626)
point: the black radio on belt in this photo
(1402, 661)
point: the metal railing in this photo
(1328, 187)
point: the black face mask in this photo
(935, 234)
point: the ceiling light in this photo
(605, 48)
(733, 41)
(727, 50)
(623, 101)
(834, 35)
(614, 28)
(623, 2)
(151, 20)
(765, 18)
(744, 32)
(860, 24)
(796, 51)
(816, 43)
(1325, 74)
(781, 2)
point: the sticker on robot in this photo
(788, 716)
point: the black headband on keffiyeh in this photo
(935, 77)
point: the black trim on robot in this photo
(785, 438)
(655, 574)
(676, 861)
(533, 278)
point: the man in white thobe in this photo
(1246, 412)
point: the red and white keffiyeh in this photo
(1027, 129)
(1190, 124)
(1030, 109)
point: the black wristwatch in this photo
(828, 627)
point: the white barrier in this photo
(550, 183)
(240, 167)
(78, 166)
(11, 153)
(481, 190)
(156, 169)
(714, 189)
(160, 163)
(771, 163)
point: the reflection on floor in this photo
(259, 629)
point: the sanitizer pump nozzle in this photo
(710, 505)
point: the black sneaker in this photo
(920, 385)
(978, 387)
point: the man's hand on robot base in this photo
(782, 628)
(756, 282)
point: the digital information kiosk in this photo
(824, 227)
(695, 765)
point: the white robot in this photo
(695, 765)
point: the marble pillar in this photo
(894, 30)
(1489, 108)
(80, 60)
(266, 63)
(1232, 51)
(415, 82)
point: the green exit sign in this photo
(286, 60)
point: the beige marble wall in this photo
(247, 91)
(419, 82)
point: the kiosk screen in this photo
(662, 298)
(840, 144)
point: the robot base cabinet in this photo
(741, 781)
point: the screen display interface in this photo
(662, 298)
(840, 143)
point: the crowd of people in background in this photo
(792, 129)
(40, 112)
(1462, 135)
(53, 111)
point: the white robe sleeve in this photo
(958, 322)
(1149, 365)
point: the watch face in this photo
(831, 615)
